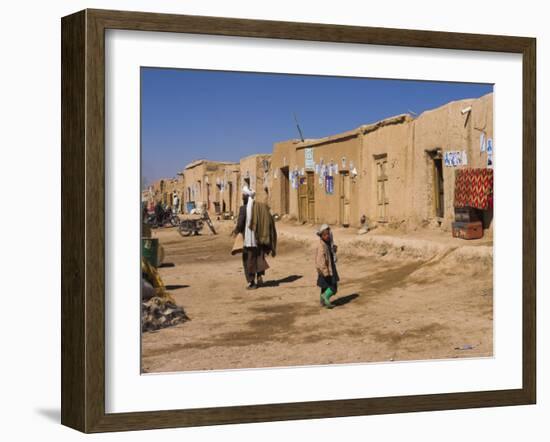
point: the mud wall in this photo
(228, 181)
(252, 169)
(195, 189)
(284, 154)
(396, 163)
(208, 184)
(389, 145)
(344, 153)
(447, 128)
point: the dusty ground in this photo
(400, 299)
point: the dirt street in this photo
(391, 305)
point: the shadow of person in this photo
(338, 302)
(277, 282)
(167, 264)
(176, 286)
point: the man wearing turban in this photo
(254, 262)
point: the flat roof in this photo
(201, 161)
(363, 129)
(255, 155)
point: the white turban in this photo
(249, 192)
(322, 229)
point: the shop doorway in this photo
(230, 191)
(306, 198)
(310, 197)
(438, 187)
(285, 189)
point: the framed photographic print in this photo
(269, 220)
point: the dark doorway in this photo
(230, 190)
(439, 188)
(438, 183)
(285, 186)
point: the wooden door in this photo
(302, 199)
(345, 200)
(310, 197)
(382, 200)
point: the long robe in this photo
(254, 262)
(249, 236)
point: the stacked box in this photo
(467, 230)
(467, 214)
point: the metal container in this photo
(465, 230)
(150, 250)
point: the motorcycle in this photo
(193, 224)
(163, 218)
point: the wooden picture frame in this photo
(83, 220)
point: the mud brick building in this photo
(326, 180)
(228, 196)
(400, 170)
(255, 174)
(162, 191)
(211, 185)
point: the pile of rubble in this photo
(158, 307)
(160, 312)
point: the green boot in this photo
(326, 298)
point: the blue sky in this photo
(224, 116)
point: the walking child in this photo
(327, 274)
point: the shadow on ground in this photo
(277, 282)
(176, 286)
(167, 264)
(338, 302)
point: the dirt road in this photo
(389, 307)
